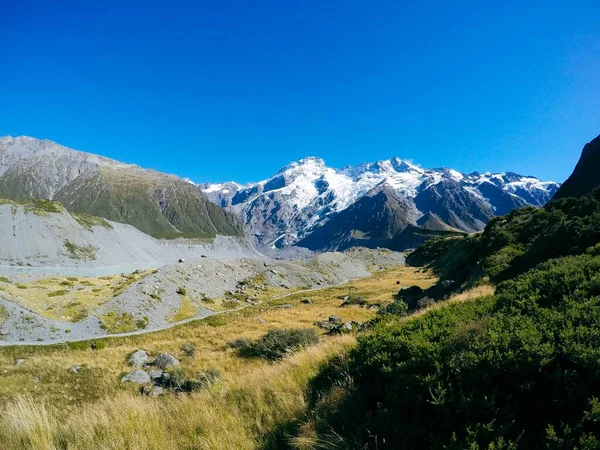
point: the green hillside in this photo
(519, 369)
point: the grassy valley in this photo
(245, 410)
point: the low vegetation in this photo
(187, 310)
(80, 251)
(278, 343)
(123, 322)
(88, 222)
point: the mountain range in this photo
(390, 203)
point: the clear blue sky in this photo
(236, 89)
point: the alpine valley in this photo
(391, 203)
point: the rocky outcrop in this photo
(586, 175)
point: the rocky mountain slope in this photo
(158, 204)
(42, 236)
(200, 288)
(586, 175)
(307, 203)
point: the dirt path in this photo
(16, 310)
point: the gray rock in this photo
(155, 374)
(137, 376)
(307, 301)
(75, 369)
(138, 359)
(335, 319)
(181, 260)
(164, 361)
(261, 320)
(287, 306)
(325, 325)
(19, 361)
(152, 390)
(36, 379)
(347, 326)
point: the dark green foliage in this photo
(277, 344)
(181, 290)
(397, 308)
(517, 370)
(515, 243)
(177, 380)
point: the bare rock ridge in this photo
(586, 175)
(161, 205)
(309, 204)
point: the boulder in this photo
(139, 358)
(152, 390)
(19, 361)
(325, 325)
(335, 319)
(137, 376)
(347, 326)
(286, 306)
(261, 320)
(181, 260)
(75, 369)
(155, 374)
(307, 301)
(164, 361)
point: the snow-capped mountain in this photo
(300, 199)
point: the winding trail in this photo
(12, 308)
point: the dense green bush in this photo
(520, 369)
(277, 344)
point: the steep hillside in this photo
(372, 221)
(161, 205)
(304, 196)
(41, 234)
(586, 175)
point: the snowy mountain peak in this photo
(310, 163)
(305, 194)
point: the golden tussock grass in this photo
(232, 415)
(92, 409)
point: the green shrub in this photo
(182, 291)
(58, 293)
(98, 344)
(188, 349)
(78, 345)
(520, 369)
(397, 308)
(277, 343)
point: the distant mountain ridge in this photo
(161, 205)
(309, 204)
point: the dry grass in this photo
(67, 298)
(229, 416)
(187, 309)
(92, 409)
